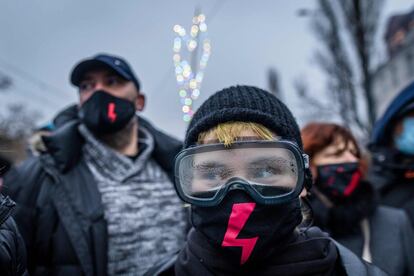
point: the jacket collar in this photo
(65, 146)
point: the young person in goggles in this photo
(345, 204)
(242, 171)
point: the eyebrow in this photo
(106, 73)
(272, 159)
(85, 78)
(269, 159)
(209, 165)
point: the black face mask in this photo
(103, 113)
(245, 230)
(338, 181)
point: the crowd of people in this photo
(246, 193)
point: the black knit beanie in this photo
(244, 104)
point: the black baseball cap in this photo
(117, 64)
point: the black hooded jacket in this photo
(12, 249)
(391, 171)
(60, 217)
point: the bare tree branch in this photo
(360, 20)
(315, 109)
(18, 122)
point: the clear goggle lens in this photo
(271, 171)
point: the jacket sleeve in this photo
(12, 250)
(407, 234)
(355, 266)
(23, 184)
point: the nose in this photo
(348, 157)
(99, 86)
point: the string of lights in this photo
(189, 71)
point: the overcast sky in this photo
(42, 40)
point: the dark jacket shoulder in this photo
(392, 232)
(389, 215)
(12, 249)
(353, 265)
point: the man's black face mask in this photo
(103, 113)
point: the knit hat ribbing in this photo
(246, 104)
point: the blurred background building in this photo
(398, 70)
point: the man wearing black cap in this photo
(101, 200)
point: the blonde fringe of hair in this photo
(227, 133)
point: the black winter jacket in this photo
(60, 217)
(313, 253)
(391, 171)
(12, 249)
(386, 230)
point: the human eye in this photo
(265, 172)
(211, 177)
(215, 174)
(85, 86)
(210, 174)
(114, 81)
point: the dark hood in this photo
(382, 128)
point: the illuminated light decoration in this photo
(193, 84)
(192, 44)
(194, 30)
(183, 93)
(189, 72)
(177, 28)
(186, 108)
(195, 94)
(188, 102)
(187, 118)
(203, 27)
(178, 70)
(201, 18)
(176, 58)
(199, 77)
(180, 79)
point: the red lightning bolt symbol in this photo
(111, 112)
(238, 217)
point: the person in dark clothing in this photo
(392, 148)
(12, 249)
(100, 199)
(346, 205)
(243, 171)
